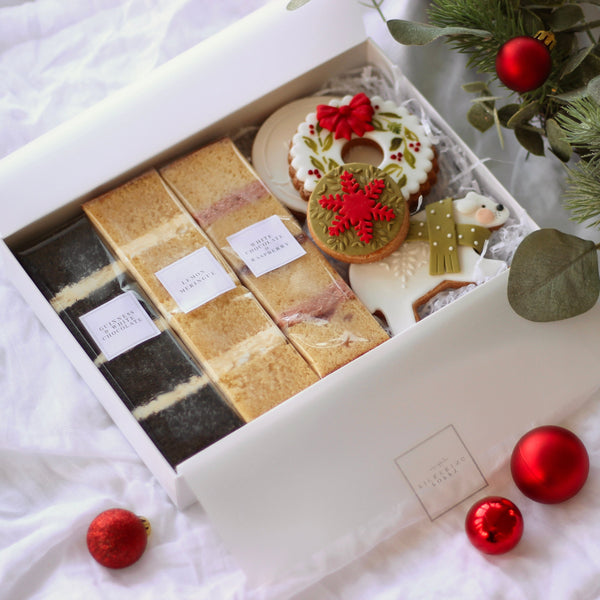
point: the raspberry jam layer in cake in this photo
(309, 300)
(224, 327)
(176, 404)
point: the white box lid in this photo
(334, 467)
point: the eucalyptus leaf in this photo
(480, 117)
(498, 128)
(411, 33)
(506, 112)
(476, 87)
(531, 21)
(532, 141)
(556, 138)
(524, 114)
(294, 4)
(575, 60)
(553, 276)
(593, 89)
(566, 16)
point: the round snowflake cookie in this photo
(357, 214)
(394, 139)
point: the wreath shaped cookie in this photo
(327, 136)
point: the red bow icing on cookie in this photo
(344, 120)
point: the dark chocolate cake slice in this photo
(179, 408)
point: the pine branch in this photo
(498, 17)
(582, 196)
(580, 121)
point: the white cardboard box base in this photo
(404, 433)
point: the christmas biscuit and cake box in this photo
(347, 458)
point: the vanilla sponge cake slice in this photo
(307, 298)
(231, 335)
(176, 404)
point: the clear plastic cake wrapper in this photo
(273, 257)
(113, 320)
(222, 324)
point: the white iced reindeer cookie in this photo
(442, 251)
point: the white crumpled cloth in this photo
(62, 460)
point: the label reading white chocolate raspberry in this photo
(266, 246)
(119, 325)
(441, 472)
(195, 279)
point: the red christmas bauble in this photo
(549, 464)
(117, 538)
(494, 525)
(523, 63)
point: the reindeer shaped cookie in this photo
(441, 252)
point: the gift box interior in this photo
(406, 431)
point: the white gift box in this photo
(406, 432)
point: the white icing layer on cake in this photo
(168, 399)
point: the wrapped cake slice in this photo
(267, 248)
(219, 320)
(176, 404)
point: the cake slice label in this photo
(195, 279)
(266, 246)
(119, 325)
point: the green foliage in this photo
(499, 18)
(580, 122)
(582, 196)
(553, 276)
(478, 28)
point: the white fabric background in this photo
(62, 460)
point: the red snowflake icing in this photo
(356, 207)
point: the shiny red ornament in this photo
(550, 464)
(523, 63)
(494, 525)
(117, 538)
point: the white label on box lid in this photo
(119, 325)
(195, 279)
(266, 245)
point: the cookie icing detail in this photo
(395, 284)
(357, 211)
(347, 119)
(357, 208)
(407, 151)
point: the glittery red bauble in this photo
(494, 525)
(550, 464)
(117, 538)
(523, 63)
